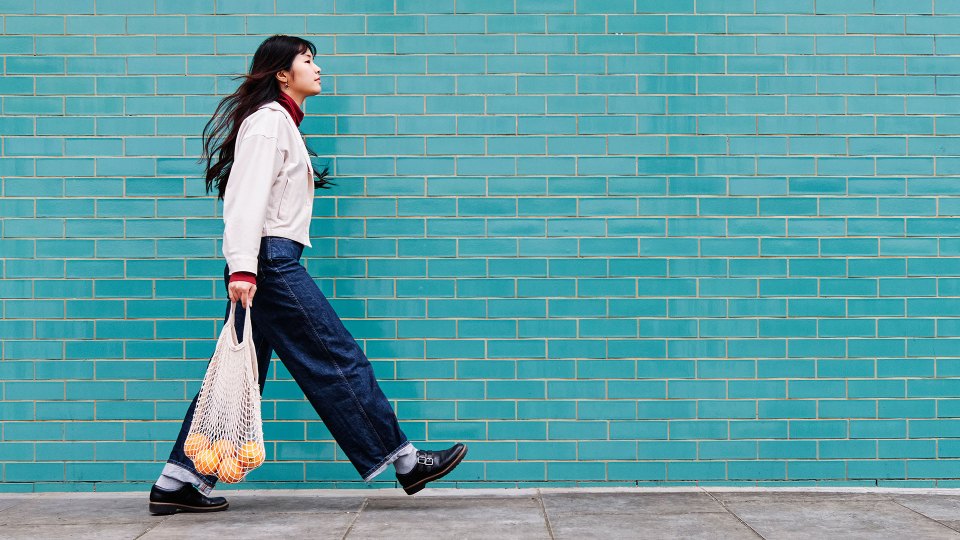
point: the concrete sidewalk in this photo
(575, 513)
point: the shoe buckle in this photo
(425, 459)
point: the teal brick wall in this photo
(603, 242)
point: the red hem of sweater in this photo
(249, 277)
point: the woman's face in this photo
(303, 77)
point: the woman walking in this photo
(266, 181)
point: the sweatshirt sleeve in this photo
(257, 161)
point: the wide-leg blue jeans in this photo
(292, 316)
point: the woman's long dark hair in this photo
(260, 86)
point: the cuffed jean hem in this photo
(182, 473)
(403, 450)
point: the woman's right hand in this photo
(243, 291)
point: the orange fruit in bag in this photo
(206, 461)
(224, 448)
(251, 455)
(194, 444)
(230, 471)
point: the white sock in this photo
(405, 462)
(169, 483)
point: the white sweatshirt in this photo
(270, 187)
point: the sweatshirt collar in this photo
(291, 106)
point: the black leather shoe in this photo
(430, 466)
(185, 499)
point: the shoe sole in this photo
(159, 509)
(413, 488)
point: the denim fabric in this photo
(292, 316)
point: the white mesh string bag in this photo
(226, 434)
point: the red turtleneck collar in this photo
(291, 106)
